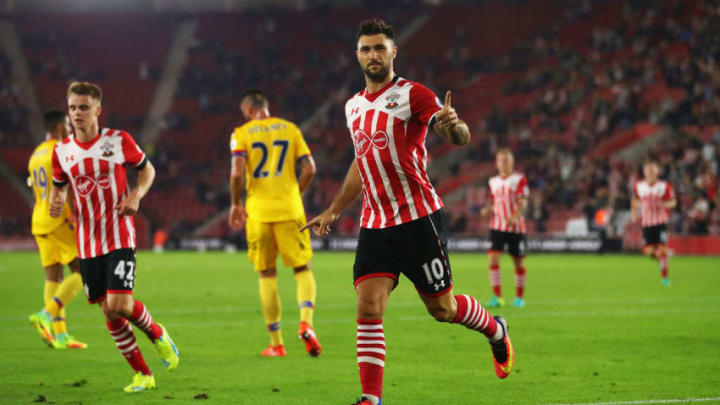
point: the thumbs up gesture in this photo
(447, 118)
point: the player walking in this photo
(264, 153)
(403, 227)
(508, 201)
(55, 238)
(655, 198)
(93, 162)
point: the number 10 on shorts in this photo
(435, 272)
(125, 271)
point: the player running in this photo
(655, 198)
(55, 238)
(403, 226)
(93, 162)
(264, 153)
(508, 201)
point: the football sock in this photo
(495, 280)
(271, 308)
(520, 282)
(141, 318)
(48, 293)
(58, 323)
(663, 264)
(124, 338)
(306, 291)
(371, 357)
(471, 314)
(64, 294)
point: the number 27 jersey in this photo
(272, 147)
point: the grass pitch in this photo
(596, 328)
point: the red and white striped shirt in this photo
(504, 195)
(96, 172)
(652, 197)
(388, 129)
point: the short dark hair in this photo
(375, 26)
(52, 118)
(256, 98)
(85, 89)
(651, 161)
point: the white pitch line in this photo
(525, 313)
(647, 401)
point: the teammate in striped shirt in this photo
(654, 198)
(508, 200)
(93, 162)
(403, 224)
(55, 238)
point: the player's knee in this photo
(443, 311)
(369, 308)
(441, 314)
(117, 307)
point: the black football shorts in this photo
(417, 249)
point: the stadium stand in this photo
(580, 90)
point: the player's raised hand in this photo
(321, 223)
(447, 117)
(129, 205)
(237, 216)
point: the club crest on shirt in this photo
(392, 100)
(107, 149)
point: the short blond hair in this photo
(85, 89)
(503, 151)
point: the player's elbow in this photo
(308, 166)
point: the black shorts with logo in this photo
(113, 273)
(516, 243)
(417, 249)
(655, 235)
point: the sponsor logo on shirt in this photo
(86, 184)
(363, 141)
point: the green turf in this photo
(596, 328)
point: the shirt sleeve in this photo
(635, 191)
(669, 192)
(523, 190)
(132, 152)
(59, 177)
(301, 148)
(237, 148)
(424, 104)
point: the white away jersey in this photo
(388, 129)
(96, 172)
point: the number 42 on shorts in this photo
(125, 271)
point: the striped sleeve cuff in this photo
(239, 153)
(302, 157)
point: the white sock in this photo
(499, 334)
(372, 398)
